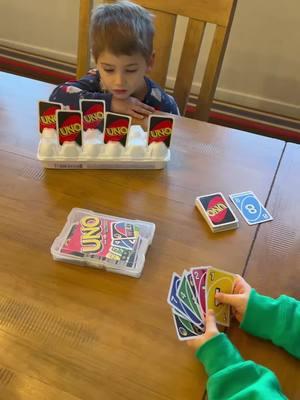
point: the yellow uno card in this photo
(219, 281)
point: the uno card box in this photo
(103, 241)
(93, 138)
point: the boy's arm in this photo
(274, 319)
(169, 105)
(230, 377)
(88, 87)
(159, 99)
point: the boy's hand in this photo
(131, 106)
(211, 330)
(239, 299)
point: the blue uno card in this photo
(250, 207)
(175, 302)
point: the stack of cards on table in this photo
(103, 241)
(217, 212)
(193, 293)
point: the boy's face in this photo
(123, 75)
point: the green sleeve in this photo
(230, 377)
(274, 319)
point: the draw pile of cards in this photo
(193, 293)
(93, 138)
(217, 212)
(103, 241)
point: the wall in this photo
(261, 65)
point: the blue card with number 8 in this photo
(250, 207)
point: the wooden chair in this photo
(199, 12)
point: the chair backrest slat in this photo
(188, 62)
(214, 11)
(83, 48)
(163, 45)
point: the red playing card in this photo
(93, 112)
(47, 114)
(116, 128)
(160, 129)
(69, 126)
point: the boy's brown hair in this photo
(123, 28)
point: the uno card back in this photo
(69, 126)
(47, 114)
(93, 113)
(216, 209)
(116, 128)
(160, 129)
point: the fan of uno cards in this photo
(192, 294)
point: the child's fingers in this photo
(241, 286)
(142, 110)
(210, 322)
(148, 108)
(136, 115)
(139, 104)
(231, 299)
(238, 281)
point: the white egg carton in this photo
(95, 154)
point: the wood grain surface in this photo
(274, 268)
(70, 332)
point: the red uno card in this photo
(199, 277)
(69, 126)
(93, 113)
(160, 129)
(116, 128)
(47, 114)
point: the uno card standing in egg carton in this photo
(47, 114)
(69, 126)
(160, 129)
(93, 114)
(116, 128)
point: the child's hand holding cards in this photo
(219, 281)
(192, 294)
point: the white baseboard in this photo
(247, 100)
(41, 51)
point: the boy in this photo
(230, 376)
(122, 46)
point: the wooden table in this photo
(73, 333)
(274, 267)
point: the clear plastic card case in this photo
(103, 241)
